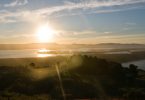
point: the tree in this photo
(133, 70)
(32, 64)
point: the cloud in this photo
(130, 24)
(87, 4)
(108, 32)
(20, 16)
(16, 3)
(99, 3)
(69, 8)
(74, 34)
(79, 7)
(130, 38)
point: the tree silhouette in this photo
(32, 64)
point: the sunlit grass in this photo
(41, 73)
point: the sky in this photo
(73, 21)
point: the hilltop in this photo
(74, 77)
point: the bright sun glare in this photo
(45, 33)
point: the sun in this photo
(45, 33)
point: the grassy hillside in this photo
(74, 77)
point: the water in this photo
(140, 64)
(17, 53)
(30, 53)
(119, 52)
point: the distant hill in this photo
(68, 46)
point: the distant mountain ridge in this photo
(67, 46)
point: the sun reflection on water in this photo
(44, 53)
(50, 53)
(43, 50)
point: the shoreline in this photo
(54, 59)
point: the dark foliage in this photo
(81, 77)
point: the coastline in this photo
(53, 59)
